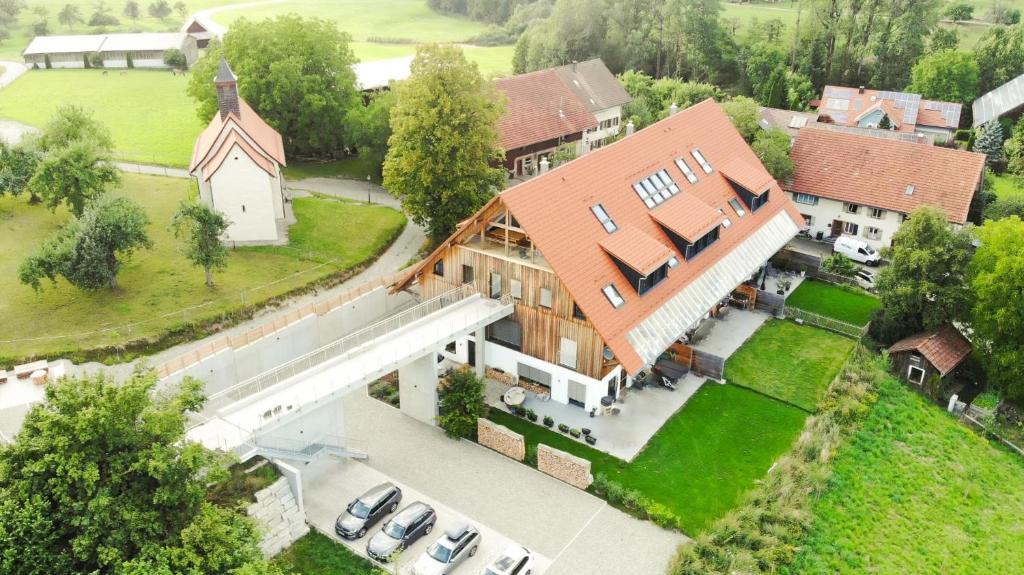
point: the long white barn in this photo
(146, 50)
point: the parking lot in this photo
(571, 531)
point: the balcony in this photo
(516, 250)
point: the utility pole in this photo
(369, 185)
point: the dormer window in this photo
(686, 170)
(604, 218)
(613, 295)
(704, 165)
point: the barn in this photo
(146, 50)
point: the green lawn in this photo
(794, 363)
(1006, 186)
(915, 492)
(354, 168)
(837, 302)
(147, 111)
(317, 554)
(702, 461)
(159, 286)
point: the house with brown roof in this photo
(935, 354)
(612, 258)
(237, 163)
(579, 104)
(903, 111)
(850, 184)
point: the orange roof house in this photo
(907, 112)
(935, 353)
(623, 250)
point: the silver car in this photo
(401, 531)
(516, 560)
(449, 551)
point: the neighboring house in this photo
(861, 108)
(378, 75)
(237, 163)
(792, 122)
(919, 358)
(862, 186)
(578, 104)
(1007, 99)
(613, 257)
(197, 30)
(146, 50)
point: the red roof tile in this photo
(688, 216)
(944, 348)
(266, 139)
(753, 177)
(540, 107)
(877, 172)
(224, 150)
(929, 112)
(637, 250)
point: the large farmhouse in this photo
(902, 111)
(237, 162)
(862, 186)
(613, 257)
(144, 50)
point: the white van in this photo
(857, 250)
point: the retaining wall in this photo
(564, 466)
(281, 518)
(501, 439)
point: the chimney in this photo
(227, 90)
(544, 164)
(630, 128)
(860, 89)
(920, 138)
(673, 109)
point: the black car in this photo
(401, 531)
(367, 510)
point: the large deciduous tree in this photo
(69, 15)
(202, 227)
(71, 123)
(73, 175)
(17, 165)
(997, 279)
(88, 251)
(772, 148)
(295, 72)
(102, 480)
(443, 156)
(948, 76)
(1000, 55)
(371, 128)
(925, 284)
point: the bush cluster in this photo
(764, 533)
(635, 502)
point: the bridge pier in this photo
(417, 388)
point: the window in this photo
(467, 274)
(850, 208)
(545, 298)
(604, 218)
(805, 199)
(704, 165)
(736, 206)
(673, 262)
(439, 268)
(495, 286)
(516, 288)
(577, 312)
(915, 375)
(850, 228)
(656, 188)
(876, 213)
(567, 353)
(685, 169)
(613, 296)
(872, 233)
(644, 284)
(702, 244)
(726, 223)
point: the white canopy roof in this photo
(104, 43)
(378, 74)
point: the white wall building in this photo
(145, 49)
(237, 163)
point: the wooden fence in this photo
(708, 364)
(840, 327)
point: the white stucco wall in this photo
(507, 359)
(602, 115)
(827, 210)
(244, 192)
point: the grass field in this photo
(837, 302)
(794, 363)
(1005, 186)
(147, 111)
(915, 492)
(159, 286)
(316, 554)
(702, 460)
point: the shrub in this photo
(563, 428)
(548, 421)
(517, 410)
(96, 60)
(103, 19)
(635, 502)
(840, 265)
(575, 433)
(987, 400)
(175, 58)
(590, 439)
(494, 36)
(461, 404)
(530, 458)
(963, 135)
(531, 415)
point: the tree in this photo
(101, 16)
(181, 8)
(444, 110)
(839, 265)
(101, 479)
(160, 9)
(295, 72)
(461, 403)
(371, 128)
(9, 11)
(175, 58)
(744, 114)
(69, 15)
(70, 124)
(1000, 56)
(925, 285)
(1012, 205)
(885, 123)
(997, 279)
(762, 61)
(801, 91)
(776, 92)
(1013, 150)
(88, 251)
(943, 39)
(41, 27)
(990, 143)
(959, 12)
(202, 227)
(17, 164)
(131, 11)
(948, 76)
(73, 175)
(772, 148)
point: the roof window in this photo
(656, 189)
(604, 218)
(704, 165)
(613, 295)
(686, 170)
(737, 207)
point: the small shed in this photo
(936, 353)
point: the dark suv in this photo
(367, 510)
(401, 531)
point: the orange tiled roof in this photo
(877, 173)
(753, 177)
(266, 139)
(539, 107)
(224, 150)
(554, 209)
(688, 216)
(636, 249)
(944, 348)
(928, 112)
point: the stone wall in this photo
(281, 519)
(564, 466)
(501, 439)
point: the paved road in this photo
(151, 170)
(12, 70)
(205, 17)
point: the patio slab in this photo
(643, 412)
(728, 333)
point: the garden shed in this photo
(916, 359)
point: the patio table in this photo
(514, 396)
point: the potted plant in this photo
(786, 284)
(586, 431)
(575, 433)
(531, 415)
(563, 428)
(590, 439)
(548, 421)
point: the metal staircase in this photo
(280, 448)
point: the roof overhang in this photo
(642, 253)
(687, 216)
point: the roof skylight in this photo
(604, 218)
(737, 207)
(686, 170)
(704, 165)
(613, 295)
(656, 189)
